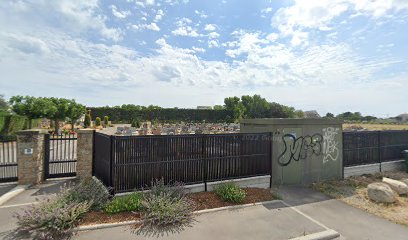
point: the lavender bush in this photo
(51, 219)
(167, 205)
(55, 217)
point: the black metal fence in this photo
(128, 163)
(368, 147)
(8, 159)
(60, 155)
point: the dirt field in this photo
(353, 191)
(374, 127)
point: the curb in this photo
(105, 225)
(117, 224)
(325, 235)
(12, 193)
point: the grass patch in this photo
(128, 203)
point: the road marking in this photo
(305, 215)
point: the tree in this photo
(59, 111)
(97, 121)
(88, 119)
(75, 111)
(31, 107)
(329, 115)
(218, 107)
(235, 108)
(255, 106)
(105, 121)
(3, 103)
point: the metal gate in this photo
(60, 155)
(8, 159)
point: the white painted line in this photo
(305, 215)
(12, 193)
(325, 235)
(233, 207)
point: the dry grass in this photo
(353, 191)
(374, 127)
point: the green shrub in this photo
(51, 219)
(97, 121)
(166, 206)
(106, 121)
(135, 123)
(132, 202)
(88, 190)
(87, 120)
(230, 192)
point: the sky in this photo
(325, 55)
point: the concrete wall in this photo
(256, 182)
(304, 150)
(374, 168)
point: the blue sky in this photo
(332, 56)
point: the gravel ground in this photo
(353, 191)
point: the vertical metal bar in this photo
(93, 152)
(204, 159)
(270, 143)
(111, 140)
(46, 155)
(379, 148)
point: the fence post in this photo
(30, 156)
(85, 145)
(270, 141)
(205, 161)
(111, 157)
(379, 148)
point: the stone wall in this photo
(85, 153)
(30, 156)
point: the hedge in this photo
(10, 124)
(122, 115)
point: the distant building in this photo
(204, 107)
(402, 117)
(311, 114)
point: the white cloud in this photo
(186, 31)
(197, 49)
(149, 2)
(201, 14)
(266, 10)
(319, 14)
(152, 26)
(213, 35)
(184, 28)
(210, 27)
(119, 14)
(213, 44)
(159, 15)
(72, 16)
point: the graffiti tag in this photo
(300, 148)
(330, 149)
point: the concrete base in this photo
(398, 165)
(256, 182)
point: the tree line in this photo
(55, 109)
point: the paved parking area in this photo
(5, 187)
(269, 221)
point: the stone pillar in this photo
(30, 156)
(84, 153)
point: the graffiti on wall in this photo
(330, 145)
(300, 147)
